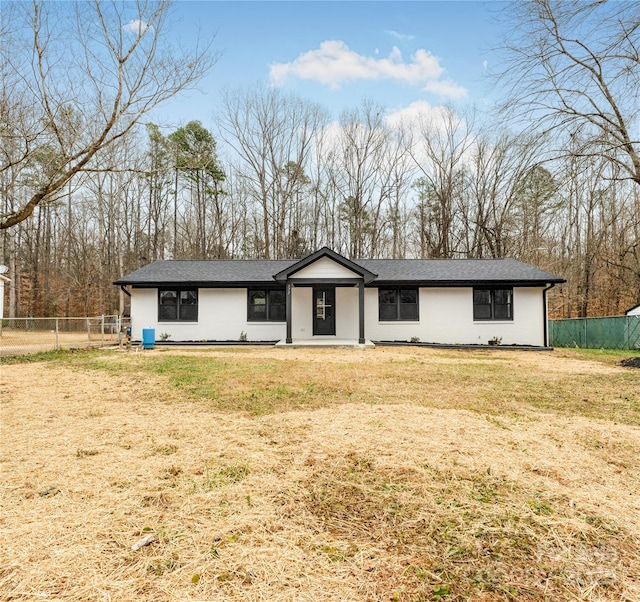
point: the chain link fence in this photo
(617, 332)
(31, 335)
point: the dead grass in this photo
(386, 474)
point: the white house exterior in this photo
(3, 279)
(634, 311)
(326, 296)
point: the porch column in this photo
(361, 340)
(288, 310)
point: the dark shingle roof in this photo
(207, 271)
(456, 271)
(432, 272)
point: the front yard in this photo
(405, 474)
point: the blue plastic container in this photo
(148, 338)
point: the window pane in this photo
(482, 312)
(189, 312)
(257, 308)
(188, 298)
(257, 297)
(276, 296)
(502, 312)
(502, 296)
(388, 295)
(408, 295)
(482, 296)
(387, 304)
(277, 312)
(257, 312)
(408, 311)
(168, 297)
(482, 304)
(168, 306)
(388, 312)
(277, 305)
(167, 312)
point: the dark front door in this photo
(324, 310)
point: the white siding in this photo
(446, 316)
(347, 317)
(325, 268)
(1, 297)
(222, 316)
(634, 311)
(302, 312)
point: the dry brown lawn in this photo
(392, 474)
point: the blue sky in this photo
(339, 53)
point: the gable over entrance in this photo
(324, 270)
(325, 264)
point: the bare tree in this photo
(573, 68)
(273, 134)
(440, 150)
(77, 77)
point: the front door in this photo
(324, 310)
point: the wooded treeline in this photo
(89, 192)
(435, 188)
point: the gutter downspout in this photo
(124, 290)
(546, 314)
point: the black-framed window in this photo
(178, 305)
(493, 303)
(266, 305)
(397, 303)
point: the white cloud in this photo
(400, 36)
(422, 120)
(417, 112)
(136, 26)
(446, 88)
(334, 63)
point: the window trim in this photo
(398, 290)
(492, 305)
(267, 290)
(178, 291)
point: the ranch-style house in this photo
(328, 298)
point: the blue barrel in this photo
(148, 338)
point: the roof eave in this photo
(195, 283)
(467, 282)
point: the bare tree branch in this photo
(90, 72)
(573, 68)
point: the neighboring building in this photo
(3, 279)
(326, 296)
(633, 311)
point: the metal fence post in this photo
(102, 330)
(57, 336)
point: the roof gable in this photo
(323, 253)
